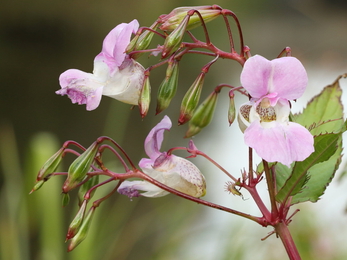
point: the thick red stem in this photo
(283, 232)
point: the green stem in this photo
(271, 188)
(250, 166)
(283, 232)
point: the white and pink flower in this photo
(115, 74)
(171, 170)
(265, 118)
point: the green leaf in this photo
(282, 173)
(307, 180)
(320, 175)
(325, 146)
(324, 113)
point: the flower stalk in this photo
(283, 232)
(271, 188)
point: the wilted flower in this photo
(265, 118)
(173, 171)
(114, 75)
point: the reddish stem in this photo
(144, 176)
(190, 13)
(285, 52)
(231, 41)
(222, 54)
(263, 209)
(197, 152)
(228, 12)
(283, 232)
(102, 138)
(119, 157)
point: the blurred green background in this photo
(40, 39)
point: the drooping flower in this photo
(114, 75)
(265, 118)
(173, 171)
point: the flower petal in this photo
(132, 188)
(155, 138)
(102, 71)
(126, 84)
(243, 116)
(115, 44)
(184, 176)
(289, 78)
(124, 39)
(177, 173)
(255, 76)
(284, 143)
(170, 170)
(81, 87)
(284, 76)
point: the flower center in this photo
(265, 111)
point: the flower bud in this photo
(203, 115)
(132, 44)
(231, 111)
(173, 41)
(83, 230)
(66, 199)
(191, 99)
(77, 221)
(51, 164)
(80, 167)
(37, 186)
(173, 19)
(168, 87)
(142, 41)
(145, 97)
(86, 187)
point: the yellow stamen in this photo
(266, 111)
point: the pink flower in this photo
(265, 118)
(173, 171)
(114, 75)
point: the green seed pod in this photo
(232, 110)
(76, 222)
(145, 97)
(86, 187)
(132, 44)
(173, 41)
(37, 186)
(83, 230)
(191, 99)
(144, 40)
(66, 199)
(80, 167)
(175, 17)
(203, 115)
(50, 165)
(168, 87)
